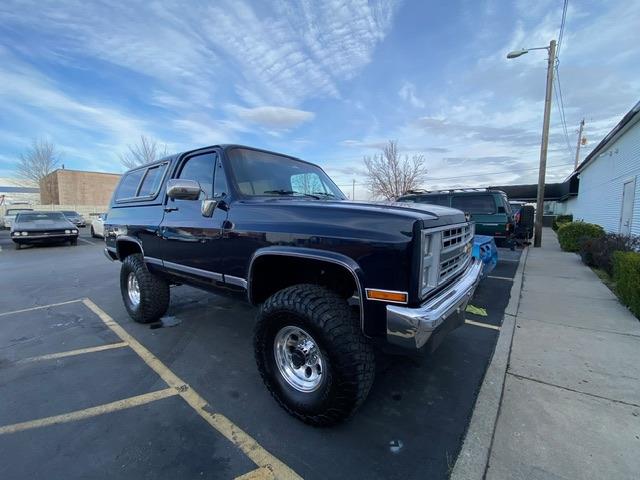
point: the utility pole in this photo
(353, 190)
(579, 143)
(537, 241)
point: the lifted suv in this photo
(489, 209)
(332, 277)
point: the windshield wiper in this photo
(291, 193)
(325, 194)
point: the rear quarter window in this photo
(475, 204)
(142, 183)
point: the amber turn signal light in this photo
(386, 295)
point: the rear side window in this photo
(142, 183)
(478, 204)
(151, 181)
(129, 184)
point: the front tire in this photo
(93, 233)
(312, 355)
(145, 295)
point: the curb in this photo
(474, 454)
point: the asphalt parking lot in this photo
(88, 393)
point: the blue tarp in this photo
(484, 248)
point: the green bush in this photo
(598, 252)
(570, 234)
(626, 273)
(561, 220)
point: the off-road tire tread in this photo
(154, 291)
(353, 366)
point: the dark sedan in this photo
(43, 227)
(75, 218)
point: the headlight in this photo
(24, 234)
(429, 261)
(74, 231)
(67, 231)
(16, 234)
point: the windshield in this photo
(266, 174)
(70, 213)
(32, 217)
(15, 211)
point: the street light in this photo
(537, 241)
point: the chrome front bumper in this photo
(411, 328)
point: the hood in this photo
(429, 215)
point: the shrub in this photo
(598, 252)
(587, 247)
(570, 234)
(561, 220)
(626, 272)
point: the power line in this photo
(561, 34)
(558, 92)
(560, 103)
(476, 174)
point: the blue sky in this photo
(329, 81)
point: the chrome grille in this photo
(456, 251)
(456, 236)
(445, 252)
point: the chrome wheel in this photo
(298, 358)
(133, 289)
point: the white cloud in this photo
(408, 93)
(276, 118)
(277, 54)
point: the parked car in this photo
(42, 227)
(10, 215)
(97, 225)
(332, 277)
(489, 208)
(75, 218)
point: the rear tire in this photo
(145, 295)
(323, 320)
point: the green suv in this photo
(490, 209)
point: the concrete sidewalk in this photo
(571, 400)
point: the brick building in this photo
(77, 187)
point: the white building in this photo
(609, 191)
(17, 191)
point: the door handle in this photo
(171, 209)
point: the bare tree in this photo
(391, 175)
(148, 150)
(40, 159)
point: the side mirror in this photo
(208, 206)
(180, 189)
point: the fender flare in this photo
(313, 254)
(126, 238)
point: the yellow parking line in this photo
(90, 412)
(257, 474)
(483, 325)
(222, 424)
(40, 307)
(71, 353)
